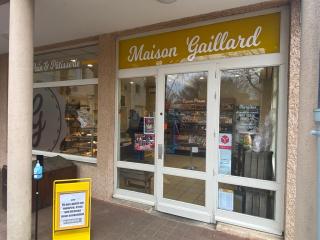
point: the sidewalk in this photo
(115, 222)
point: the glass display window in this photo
(137, 120)
(248, 184)
(185, 120)
(250, 201)
(65, 120)
(136, 180)
(64, 65)
(65, 103)
(248, 122)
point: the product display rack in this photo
(80, 141)
(187, 127)
(227, 108)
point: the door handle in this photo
(160, 151)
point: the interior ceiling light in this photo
(166, 1)
(89, 65)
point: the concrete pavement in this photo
(112, 221)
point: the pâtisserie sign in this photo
(56, 64)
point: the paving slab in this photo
(112, 221)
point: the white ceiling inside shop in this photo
(64, 20)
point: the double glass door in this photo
(202, 142)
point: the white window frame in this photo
(275, 226)
(202, 213)
(272, 226)
(77, 82)
(144, 198)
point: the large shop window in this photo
(248, 139)
(65, 103)
(137, 133)
(137, 136)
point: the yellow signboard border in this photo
(65, 187)
(172, 47)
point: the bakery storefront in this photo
(201, 123)
(200, 118)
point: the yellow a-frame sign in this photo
(71, 209)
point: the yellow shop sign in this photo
(247, 36)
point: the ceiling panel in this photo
(63, 20)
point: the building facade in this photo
(207, 117)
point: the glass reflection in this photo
(135, 180)
(248, 120)
(185, 121)
(137, 110)
(251, 201)
(69, 64)
(65, 120)
(184, 189)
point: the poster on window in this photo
(148, 125)
(247, 118)
(144, 142)
(225, 150)
(226, 199)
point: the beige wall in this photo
(306, 148)
(102, 173)
(301, 192)
(293, 116)
(3, 108)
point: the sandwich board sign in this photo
(71, 209)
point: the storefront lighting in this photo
(73, 60)
(201, 78)
(90, 65)
(131, 82)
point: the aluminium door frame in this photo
(143, 198)
(201, 213)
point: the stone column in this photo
(3, 108)
(306, 209)
(106, 106)
(20, 88)
(293, 117)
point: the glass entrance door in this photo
(182, 146)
